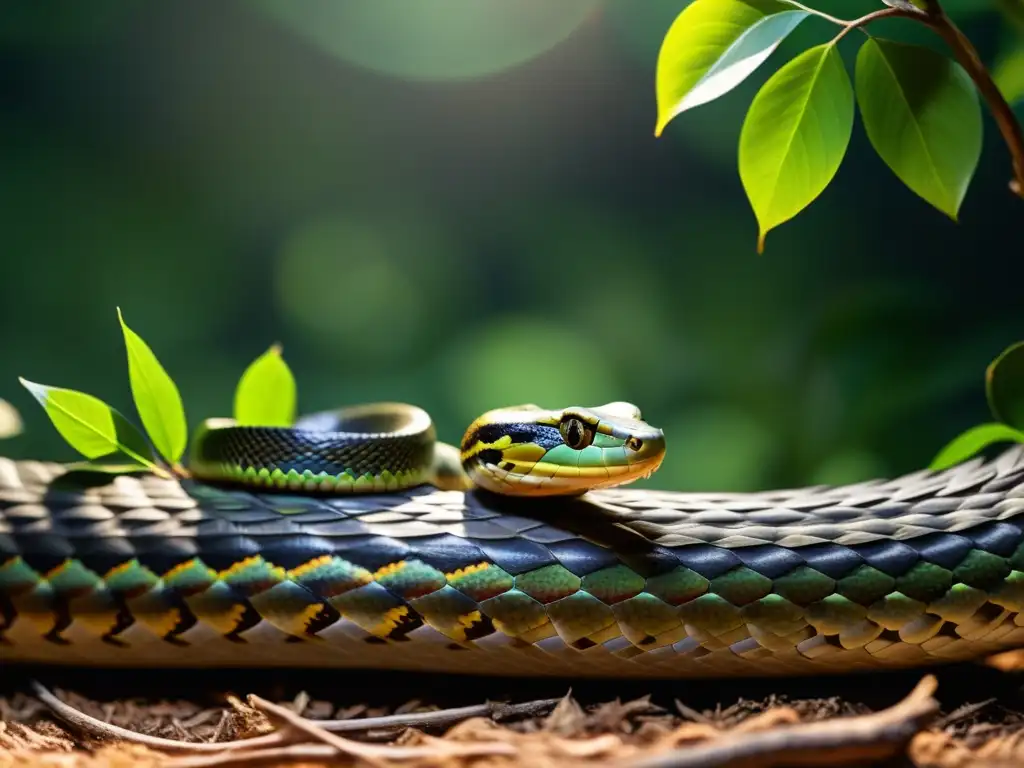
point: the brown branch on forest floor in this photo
(285, 736)
(844, 740)
(572, 737)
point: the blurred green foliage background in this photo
(460, 204)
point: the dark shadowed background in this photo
(461, 204)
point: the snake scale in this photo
(278, 568)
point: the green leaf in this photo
(265, 395)
(156, 397)
(1004, 386)
(795, 135)
(923, 117)
(90, 426)
(972, 441)
(1008, 72)
(712, 46)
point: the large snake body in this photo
(323, 549)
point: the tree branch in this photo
(965, 53)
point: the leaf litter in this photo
(305, 728)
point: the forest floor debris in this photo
(91, 723)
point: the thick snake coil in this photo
(140, 571)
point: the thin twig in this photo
(99, 729)
(495, 710)
(102, 730)
(693, 714)
(841, 740)
(854, 23)
(377, 752)
(962, 713)
(863, 21)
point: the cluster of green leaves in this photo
(1004, 390)
(920, 109)
(265, 396)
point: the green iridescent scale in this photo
(481, 581)
(411, 578)
(131, 579)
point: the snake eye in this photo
(576, 434)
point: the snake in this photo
(521, 450)
(356, 539)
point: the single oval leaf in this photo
(265, 395)
(712, 46)
(795, 135)
(969, 442)
(90, 426)
(1004, 386)
(156, 397)
(923, 117)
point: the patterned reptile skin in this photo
(926, 568)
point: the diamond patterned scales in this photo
(916, 569)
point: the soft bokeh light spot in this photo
(439, 40)
(848, 466)
(605, 285)
(346, 281)
(517, 360)
(714, 449)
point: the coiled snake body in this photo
(320, 547)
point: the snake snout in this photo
(645, 451)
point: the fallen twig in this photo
(842, 740)
(962, 713)
(296, 725)
(495, 710)
(375, 753)
(99, 729)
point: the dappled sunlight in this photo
(358, 285)
(442, 40)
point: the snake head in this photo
(535, 452)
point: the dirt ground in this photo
(965, 715)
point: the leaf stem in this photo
(816, 12)
(850, 24)
(863, 21)
(965, 53)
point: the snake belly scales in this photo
(324, 554)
